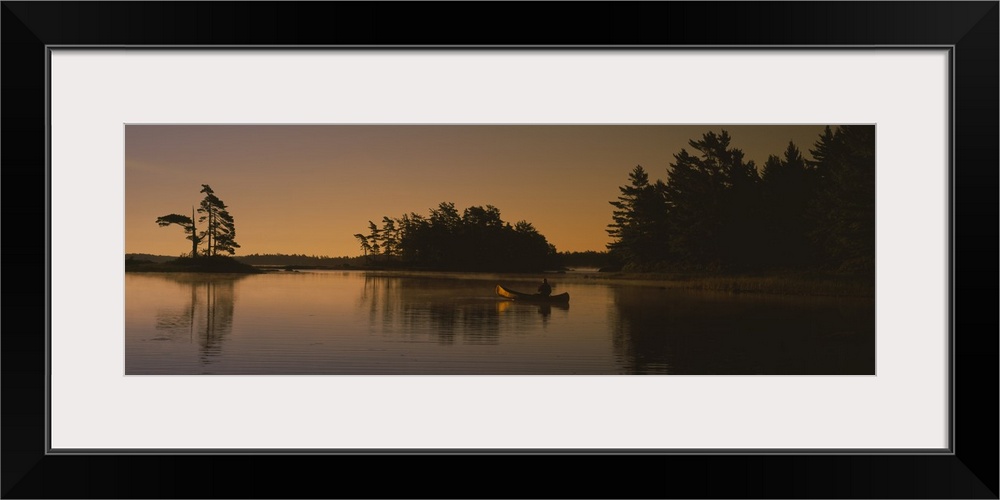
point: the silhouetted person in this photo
(544, 289)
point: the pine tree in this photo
(788, 187)
(843, 213)
(713, 201)
(366, 246)
(390, 238)
(638, 229)
(189, 227)
(476, 240)
(220, 231)
(374, 238)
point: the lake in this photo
(381, 323)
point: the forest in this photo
(717, 212)
(477, 239)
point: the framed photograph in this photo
(718, 251)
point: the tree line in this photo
(477, 239)
(715, 212)
(278, 259)
(718, 212)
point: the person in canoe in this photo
(544, 289)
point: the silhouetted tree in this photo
(390, 238)
(488, 217)
(189, 227)
(478, 239)
(590, 258)
(822, 150)
(414, 231)
(843, 212)
(442, 239)
(366, 247)
(788, 186)
(639, 228)
(716, 212)
(530, 247)
(712, 198)
(220, 232)
(445, 216)
(374, 238)
(479, 243)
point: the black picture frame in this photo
(969, 28)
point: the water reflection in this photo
(373, 324)
(527, 311)
(207, 318)
(415, 308)
(449, 310)
(662, 331)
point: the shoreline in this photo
(811, 283)
(804, 283)
(205, 265)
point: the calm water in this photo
(326, 322)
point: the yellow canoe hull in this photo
(532, 297)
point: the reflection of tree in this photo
(663, 331)
(207, 318)
(423, 306)
(639, 348)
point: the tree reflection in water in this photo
(455, 311)
(527, 311)
(207, 318)
(659, 331)
(373, 323)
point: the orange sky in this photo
(306, 189)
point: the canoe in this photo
(532, 297)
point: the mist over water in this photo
(369, 323)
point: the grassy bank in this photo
(813, 283)
(214, 264)
(806, 284)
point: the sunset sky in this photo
(307, 189)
